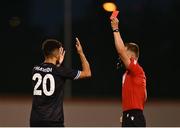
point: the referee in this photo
(133, 83)
(48, 80)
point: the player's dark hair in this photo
(49, 46)
(133, 47)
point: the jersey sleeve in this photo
(133, 66)
(68, 73)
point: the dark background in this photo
(153, 24)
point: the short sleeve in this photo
(68, 73)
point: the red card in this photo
(114, 14)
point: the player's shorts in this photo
(46, 124)
(133, 118)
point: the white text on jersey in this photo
(43, 69)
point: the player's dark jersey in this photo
(47, 81)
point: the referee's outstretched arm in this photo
(119, 44)
(86, 71)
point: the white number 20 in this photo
(43, 81)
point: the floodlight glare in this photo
(109, 6)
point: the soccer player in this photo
(48, 79)
(133, 82)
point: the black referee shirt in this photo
(47, 81)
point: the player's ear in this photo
(56, 54)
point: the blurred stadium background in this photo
(154, 25)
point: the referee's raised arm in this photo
(119, 44)
(86, 70)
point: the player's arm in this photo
(86, 71)
(119, 44)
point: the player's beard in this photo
(57, 62)
(58, 59)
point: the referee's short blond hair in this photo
(133, 47)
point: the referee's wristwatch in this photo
(116, 30)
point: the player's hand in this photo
(78, 46)
(121, 119)
(114, 23)
(61, 54)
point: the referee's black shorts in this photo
(46, 124)
(133, 118)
